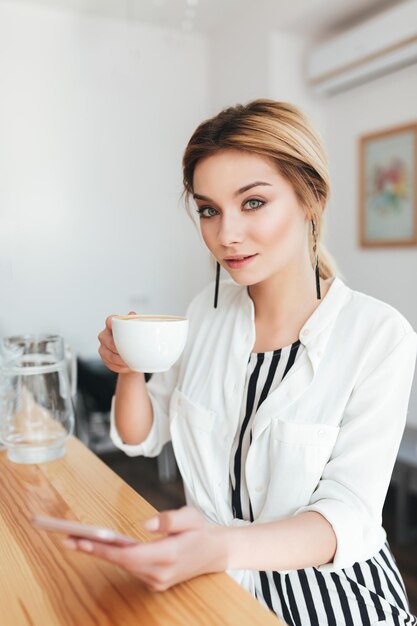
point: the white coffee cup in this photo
(149, 343)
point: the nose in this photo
(231, 230)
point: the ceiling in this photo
(313, 18)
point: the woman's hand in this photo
(108, 351)
(191, 546)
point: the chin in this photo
(244, 280)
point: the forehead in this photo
(229, 170)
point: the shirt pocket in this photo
(194, 415)
(192, 432)
(298, 455)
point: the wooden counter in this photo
(43, 584)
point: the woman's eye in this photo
(206, 211)
(254, 200)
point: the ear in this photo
(308, 212)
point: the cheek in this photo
(278, 227)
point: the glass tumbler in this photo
(36, 408)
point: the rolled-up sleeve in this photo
(354, 483)
(160, 388)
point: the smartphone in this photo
(82, 531)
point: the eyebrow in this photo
(257, 183)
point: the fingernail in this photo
(87, 546)
(151, 524)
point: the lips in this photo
(237, 258)
(239, 261)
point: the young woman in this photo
(287, 407)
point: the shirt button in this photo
(179, 402)
(305, 331)
(259, 488)
(319, 354)
(322, 433)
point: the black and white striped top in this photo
(368, 593)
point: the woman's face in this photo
(265, 223)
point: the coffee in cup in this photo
(149, 343)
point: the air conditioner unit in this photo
(376, 47)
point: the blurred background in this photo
(98, 99)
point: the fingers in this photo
(108, 350)
(133, 558)
(175, 521)
(111, 553)
(106, 339)
(164, 562)
(106, 335)
(109, 318)
(155, 575)
(108, 322)
(111, 358)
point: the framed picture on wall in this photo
(388, 187)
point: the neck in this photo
(288, 298)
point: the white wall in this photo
(389, 274)
(94, 116)
(239, 61)
(286, 76)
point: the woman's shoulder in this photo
(370, 330)
(374, 311)
(376, 328)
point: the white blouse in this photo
(325, 440)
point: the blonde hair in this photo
(280, 131)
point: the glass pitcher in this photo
(36, 407)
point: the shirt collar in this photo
(315, 331)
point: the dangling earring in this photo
(316, 261)
(216, 291)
